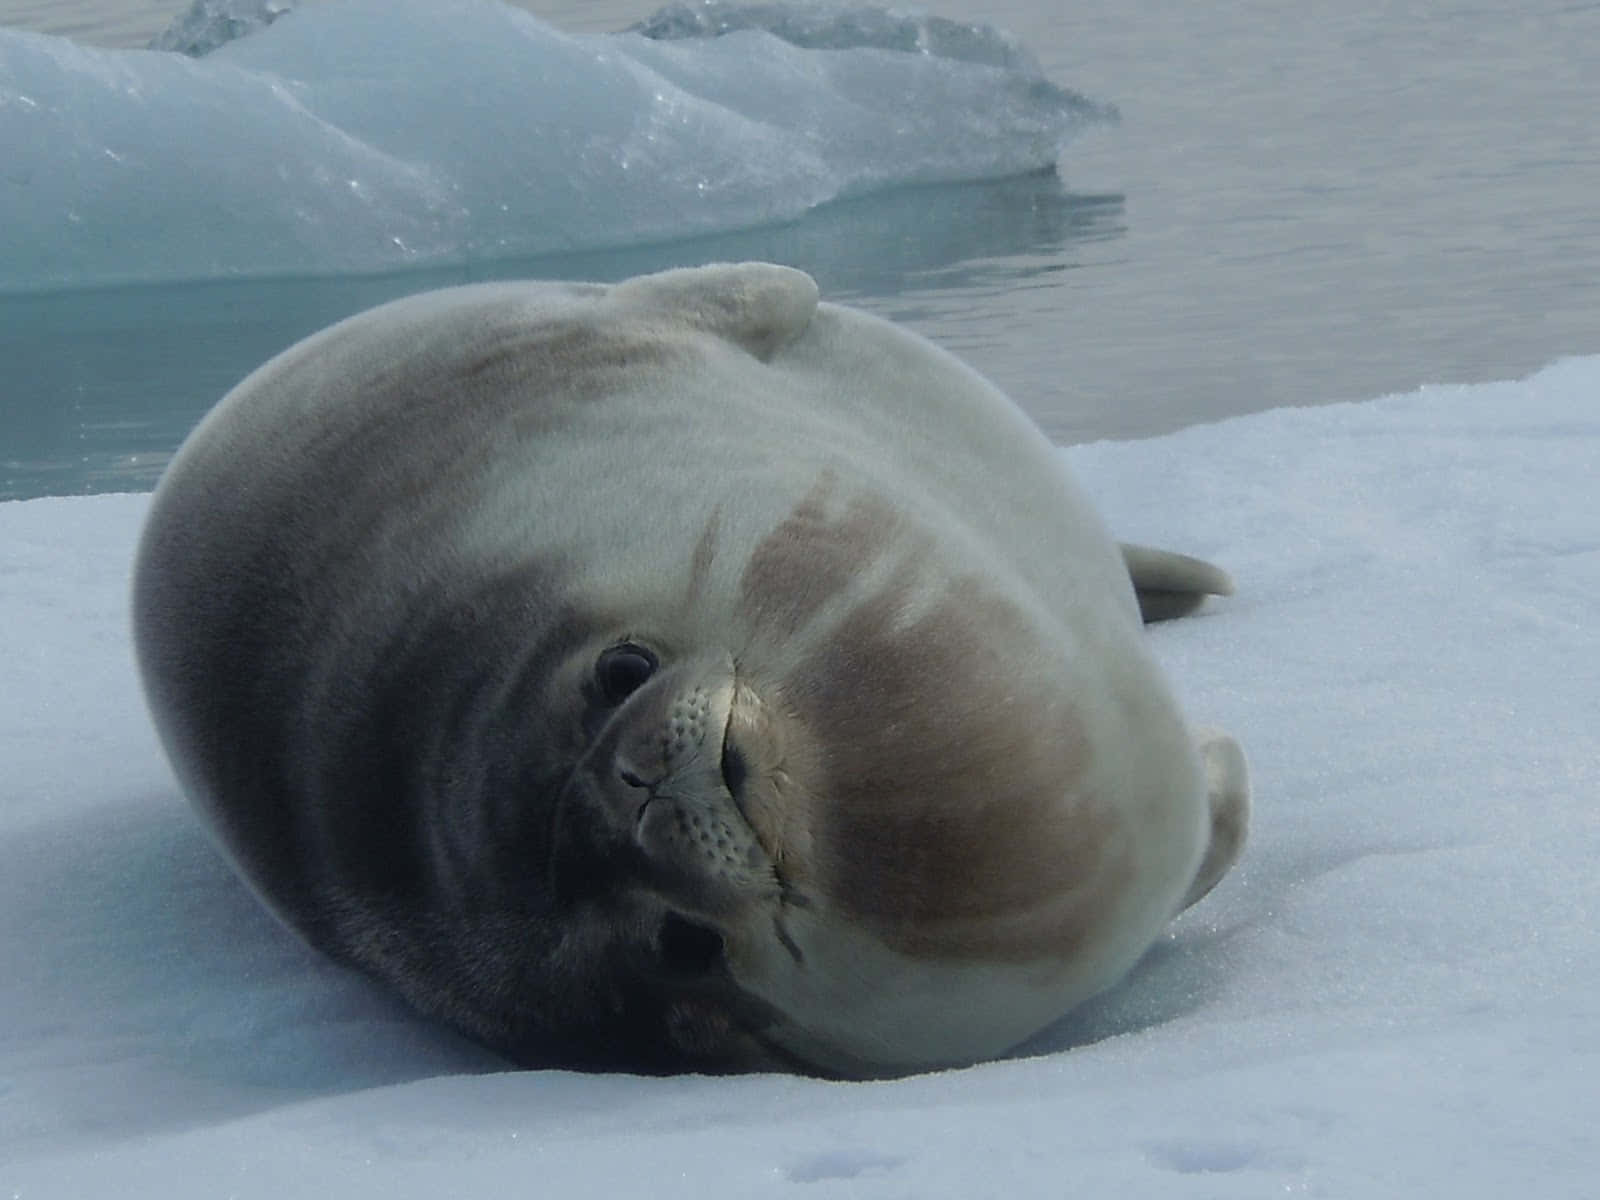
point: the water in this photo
(1302, 204)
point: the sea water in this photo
(1300, 204)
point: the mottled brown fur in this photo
(813, 556)
(950, 825)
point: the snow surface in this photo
(375, 135)
(1397, 993)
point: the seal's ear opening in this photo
(759, 306)
(687, 947)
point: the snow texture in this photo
(1395, 994)
(378, 135)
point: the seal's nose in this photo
(664, 739)
(657, 800)
(668, 737)
(734, 769)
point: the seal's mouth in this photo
(658, 802)
(688, 947)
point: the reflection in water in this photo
(102, 385)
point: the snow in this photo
(380, 135)
(1395, 994)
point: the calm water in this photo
(1303, 203)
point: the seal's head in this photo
(873, 829)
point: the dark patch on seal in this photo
(394, 795)
(590, 987)
(814, 555)
(406, 769)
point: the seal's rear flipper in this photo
(1228, 786)
(1171, 585)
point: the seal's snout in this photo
(666, 779)
(667, 739)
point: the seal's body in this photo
(676, 673)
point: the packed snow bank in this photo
(1395, 994)
(374, 135)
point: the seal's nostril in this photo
(734, 769)
(632, 780)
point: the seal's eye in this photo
(622, 670)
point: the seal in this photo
(680, 673)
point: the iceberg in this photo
(207, 24)
(826, 27)
(101, 384)
(381, 135)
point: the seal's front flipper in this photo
(1171, 585)
(1228, 787)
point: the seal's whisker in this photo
(788, 941)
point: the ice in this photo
(207, 24)
(379, 135)
(1396, 994)
(830, 27)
